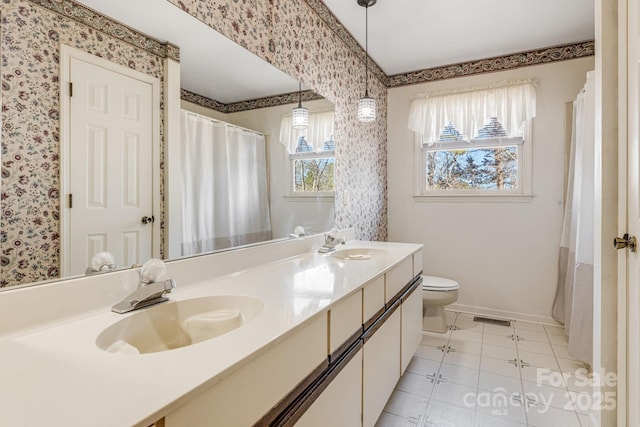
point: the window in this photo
(489, 161)
(474, 143)
(311, 155)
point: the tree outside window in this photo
(483, 168)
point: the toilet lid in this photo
(434, 283)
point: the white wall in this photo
(503, 254)
(314, 214)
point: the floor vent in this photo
(492, 321)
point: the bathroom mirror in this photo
(230, 75)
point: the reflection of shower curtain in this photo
(573, 304)
(224, 186)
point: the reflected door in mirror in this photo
(110, 182)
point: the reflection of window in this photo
(481, 145)
(311, 154)
(313, 174)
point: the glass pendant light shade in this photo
(300, 115)
(366, 109)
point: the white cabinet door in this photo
(411, 332)
(381, 368)
(341, 402)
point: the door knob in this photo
(148, 219)
(625, 241)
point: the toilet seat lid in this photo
(435, 283)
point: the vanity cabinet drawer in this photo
(345, 320)
(417, 263)
(372, 300)
(247, 394)
(398, 278)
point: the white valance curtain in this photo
(224, 185)
(512, 103)
(573, 304)
(319, 131)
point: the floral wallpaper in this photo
(30, 220)
(291, 35)
(345, 36)
(32, 32)
(89, 17)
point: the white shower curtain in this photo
(573, 305)
(224, 185)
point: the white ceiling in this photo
(410, 35)
(404, 36)
(210, 64)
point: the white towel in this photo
(204, 326)
(122, 347)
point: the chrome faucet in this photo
(330, 243)
(150, 291)
(144, 296)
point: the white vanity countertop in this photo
(57, 376)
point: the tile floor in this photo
(480, 374)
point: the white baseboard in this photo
(503, 314)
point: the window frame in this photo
(307, 155)
(525, 176)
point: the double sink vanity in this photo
(275, 334)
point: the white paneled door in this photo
(632, 258)
(109, 165)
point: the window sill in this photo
(473, 198)
(310, 198)
(307, 155)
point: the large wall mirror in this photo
(297, 166)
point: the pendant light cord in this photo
(299, 94)
(366, 51)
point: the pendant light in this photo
(300, 115)
(366, 104)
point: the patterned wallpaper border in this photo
(202, 101)
(272, 101)
(269, 101)
(99, 22)
(489, 65)
(498, 63)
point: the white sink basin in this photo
(358, 254)
(178, 324)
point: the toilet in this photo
(437, 292)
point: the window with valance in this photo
(311, 153)
(475, 141)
